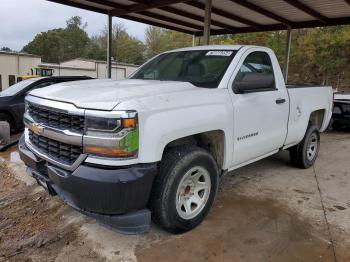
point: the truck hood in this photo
(107, 94)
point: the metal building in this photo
(13, 65)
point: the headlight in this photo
(105, 125)
(111, 134)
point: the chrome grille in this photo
(58, 151)
(56, 119)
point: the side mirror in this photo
(252, 82)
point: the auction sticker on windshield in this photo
(219, 53)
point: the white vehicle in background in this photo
(157, 143)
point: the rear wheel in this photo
(184, 189)
(305, 153)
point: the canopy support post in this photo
(109, 46)
(207, 22)
(193, 40)
(287, 53)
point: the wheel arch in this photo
(213, 141)
(8, 113)
(317, 118)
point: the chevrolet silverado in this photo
(154, 146)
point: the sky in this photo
(21, 20)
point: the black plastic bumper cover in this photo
(116, 197)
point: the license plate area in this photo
(42, 181)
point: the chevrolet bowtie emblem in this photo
(37, 129)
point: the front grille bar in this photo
(64, 153)
(55, 119)
(50, 159)
(54, 132)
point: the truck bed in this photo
(305, 99)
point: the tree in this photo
(47, 45)
(318, 55)
(76, 39)
(96, 48)
(125, 48)
(60, 44)
(6, 49)
(159, 40)
(177, 39)
(156, 41)
(329, 52)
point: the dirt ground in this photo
(267, 211)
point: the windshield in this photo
(16, 88)
(202, 68)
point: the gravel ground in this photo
(267, 211)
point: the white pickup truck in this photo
(156, 144)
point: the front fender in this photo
(158, 129)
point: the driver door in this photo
(260, 106)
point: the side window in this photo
(255, 75)
(12, 80)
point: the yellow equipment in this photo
(38, 73)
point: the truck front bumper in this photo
(116, 197)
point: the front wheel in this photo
(305, 153)
(184, 189)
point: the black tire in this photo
(8, 119)
(299, 155)
(175, 164)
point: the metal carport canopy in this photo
(227, 16)
(217, 17)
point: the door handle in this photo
(280, 101)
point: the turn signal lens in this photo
(109, 152)
(129, 122)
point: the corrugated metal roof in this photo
(228, 16)
(93, 4)
(151, 19)
(172, 16)
(284, 9)
(332, 9)
(182, 7)
(234, 8)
